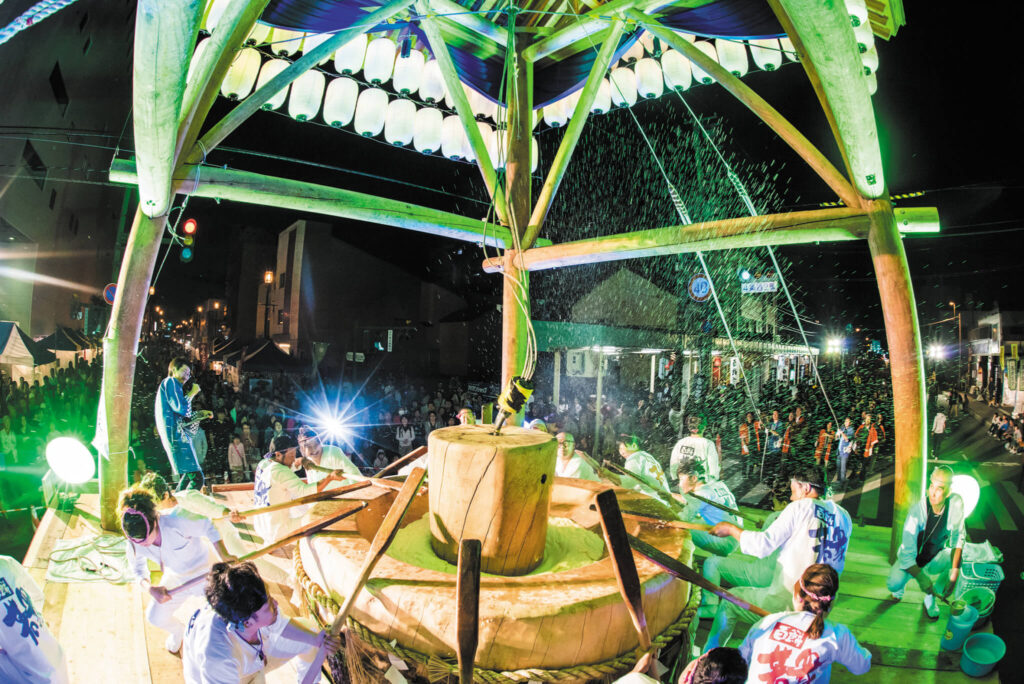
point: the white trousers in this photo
(162, 614)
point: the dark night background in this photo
(947, 126)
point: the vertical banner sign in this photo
(1002, 357)
(780, 371)
(391, 337)
(716, 371)
(734, 370)
(1013, 350)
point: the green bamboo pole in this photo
(250, 105)
(454, 87)
(165, 33)
(572, 133)
(254, 188)
(764, 111)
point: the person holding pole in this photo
(692, 480)
(800, 645)
(177, 425)
(326, 456)
(932, 545)
(241, 633)
(173, 540)
(808, 531)
(276, 482)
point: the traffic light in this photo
(188, 240)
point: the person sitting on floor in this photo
(173, 540)
(799, 646)
(932, 545)
(650, 476)
(276, 482)
(693, 481)
(808, 531)
(241, 633)
(29, 653)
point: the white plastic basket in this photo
(972, 575)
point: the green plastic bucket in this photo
(981, 653)
(984, 600)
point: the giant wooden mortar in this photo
(546, 620)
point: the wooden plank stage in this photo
(903, 642)
(103, 627)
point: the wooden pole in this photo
(120, 346)
(467, 617)
(556, 380)
(905, 361)
(819, 225)
(284, 193)
(597, 403)
(309, 498)
(462, 108)
(515, 300)
(404, 460)
(572, 133)
(165, 31)
(622, 561)
(764, 111)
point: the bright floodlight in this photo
(834, 345)
(332, 426)
(968, 489)
(70, 460)
(935, 351)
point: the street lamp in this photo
(268, 280)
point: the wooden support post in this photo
(120, 345)
(906, 362)
(284, 193)
(764, 111)
(165, 32)
(556, 381)
(454, 87)
(572, 133)
(819, 225)
(515, 308)
(252, 104)
(598, 404)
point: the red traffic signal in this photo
(189, 227)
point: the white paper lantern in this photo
(214, 11)
(603, 99)
(259, 34)
(398, 122)
(432, 85)
(380, 60)
(426, 128)
(496, 142)
(732, 54)
(348, 59)
(467, 149)
(858, 11)
(201, 48)
(340, 101)
(872, 83)
(307, 94)
(649, 81)
(635, 52)
(480, 104)
(408, 72)
(452, 138)
(652, 45)
(767, 53)
(242, 73)
(788, 50)
(286, 43)
(270, 69)
(676, 69)
(865, 37)
(623, 87)
(534, 154)
(371, 108)
(870, 61)
(314, 40)
(570, 101)
(554, 114)
(699, 75)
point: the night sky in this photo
(946, 126)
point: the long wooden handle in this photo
(601, 471)
(658, 522)
(622, 561)
(725, 508)
(385, 535)
(467, 619)
(320, 524)
(687, 574)
(309, 498)
(669, 500)
(408, 458)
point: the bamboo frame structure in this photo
(169, 114)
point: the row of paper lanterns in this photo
(370, 111)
